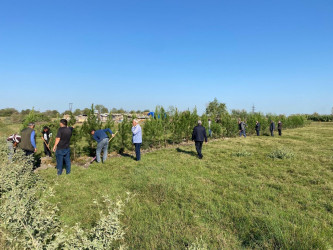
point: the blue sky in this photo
(277, 55)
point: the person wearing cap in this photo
(12, 143)
(199, 136)
(102, 142)
(28, 140)
(46, 136)
(137, 138)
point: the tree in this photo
(25, 111)
(216, 109)
(101, 109)
(77, 112)
(8, 112)
(86, 111)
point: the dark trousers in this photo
(63, 155)
(272, 132)
(198, 147)
(27, 152)
(280, 132)
(46, 150)
(137, 151)
(258, 132)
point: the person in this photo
(272, 127)
(46, 136)
(258, 128)
(209, 127)
(102, 142)
(199, 136)
(239, 126)
(28, 140)
(280, 128)
(137, 138)
(61, 147)
(242, 129)
(12, 143)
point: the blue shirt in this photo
(137, 134)
(101, 134)
(32, 138)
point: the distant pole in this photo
(253, 109)
(70, 106)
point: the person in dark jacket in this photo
(239, 126)
(46, 137)
(102, 142)
(61, 147)
(258, 128)
(272, 128)
(242, 129)
(28, 140)
(280, 128)
(199, 136)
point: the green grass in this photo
(229, 199)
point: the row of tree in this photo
(167, 127)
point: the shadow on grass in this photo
(179, 150)
(127, 155)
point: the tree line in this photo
(167, 127)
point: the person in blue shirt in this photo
(102, 142)
(137, 138)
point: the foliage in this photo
(281, 153)
(35, 117)
(242, 153)
(28, 221)
(101, 109)
(7, 112)
(216, 109)
(92, 123)
(320, 118)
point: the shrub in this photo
(28, 221)
(241, 153)
(281, 153)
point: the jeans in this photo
(102, 145)
(61, 156)
(198, 147)
(210, 132)
(258, 132)
(272, 132)
(137, 151)
(242, 132)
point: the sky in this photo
(274, 54)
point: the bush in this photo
(281, 154)
(241, 153)
(28, 221)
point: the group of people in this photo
(27, 142)
(242, 128)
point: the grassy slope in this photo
(229, 201)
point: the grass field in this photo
(236, 197)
